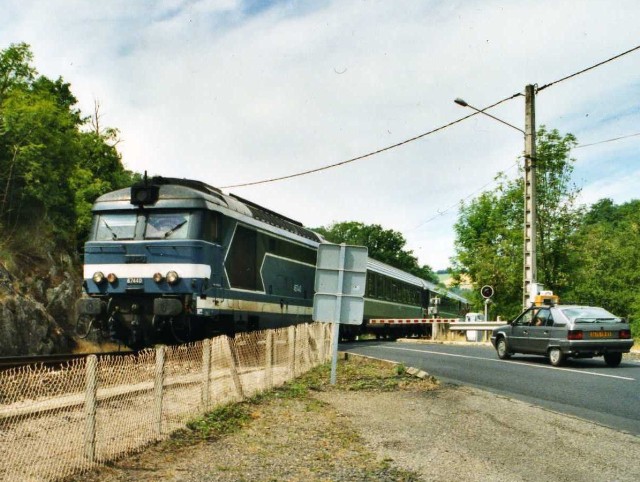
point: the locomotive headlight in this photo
(172, 277)
(98, 277)
(158, 278)
(112, 278)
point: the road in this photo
(584, 388)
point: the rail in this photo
(52, 361)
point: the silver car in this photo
(564, 331)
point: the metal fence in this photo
(58, 422)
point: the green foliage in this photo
(604, 266)
(222, 421)
(489, 231)
(51, 168)
(385, 245)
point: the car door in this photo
(518, 341)
(539, 331)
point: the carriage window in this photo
(167, 225)
(114, 226)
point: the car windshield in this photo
(167, 225)
(589, 314)
(113, 227)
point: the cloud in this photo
(236, 91)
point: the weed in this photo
(222, 421)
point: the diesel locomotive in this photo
(172, 260)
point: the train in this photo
(171, 260)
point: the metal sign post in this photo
(336, 316)
(341, 273)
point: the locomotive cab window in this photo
(210, 226)
(173, 225)
(115, 226)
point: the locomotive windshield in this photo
(116, 226)
(155, 225)
(167, 225)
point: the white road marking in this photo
(548, 367)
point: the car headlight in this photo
(172, 277)
(98, 277)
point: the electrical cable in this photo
(432, 131)
(373, 153)
(588, 68)
(607, 140)
(443, 212)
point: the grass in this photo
(353, 374)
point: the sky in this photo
(236, 91)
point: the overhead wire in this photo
(373, 153)
(607, 140)
(432, 131)
(443, 212)
(589, 68)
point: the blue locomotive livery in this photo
(175, 259)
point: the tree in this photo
(51, 166)
(385, 245)
(604, 266)
(489, 231)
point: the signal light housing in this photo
(112, 278)
(98, 277)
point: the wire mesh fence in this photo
(58, 422)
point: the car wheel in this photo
(502, 349)
(556, 357)
(612, 359)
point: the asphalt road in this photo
(584, 388)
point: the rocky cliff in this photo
(36, 309)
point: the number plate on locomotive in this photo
(134, 281)
(600, 334)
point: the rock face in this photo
(27, 327)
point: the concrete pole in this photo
(530, 214)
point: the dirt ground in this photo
(418, 432)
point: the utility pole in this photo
(530, 200)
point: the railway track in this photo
(53, 361)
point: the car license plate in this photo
(134, 281)
(600, 334)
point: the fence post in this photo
(91, 390)
(157, 389)
(320, 327)
(292, 351)
(232, 366)
(205, 396)
(268, 362)
(306, 347)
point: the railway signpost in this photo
(341, 274)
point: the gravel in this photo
(418, 432)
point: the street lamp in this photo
(530, 274)
(461, 102)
